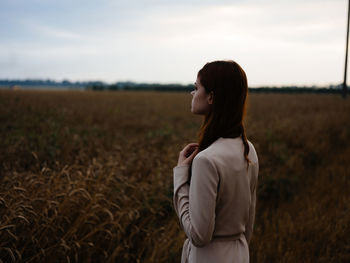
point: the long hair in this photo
(228, 82)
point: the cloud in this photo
(169, 41)
(8, 61)
(47, 31)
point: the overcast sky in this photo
(277, 42)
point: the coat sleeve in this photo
(195, 204)
(251, 219)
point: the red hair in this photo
(228, 83)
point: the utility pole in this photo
(346, 54)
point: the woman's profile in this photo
(215, 180)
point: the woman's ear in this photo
(210, 98)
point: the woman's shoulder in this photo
(217, 151)
(230, 149)
(205, 158)
(204, 155)
(211, 151)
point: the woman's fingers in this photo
(188, 153)
(193, 154)
(189, 146)
(189, 149)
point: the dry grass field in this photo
(87, 177)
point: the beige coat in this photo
(217, 209)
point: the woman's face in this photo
(201, 100)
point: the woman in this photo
(215, 180)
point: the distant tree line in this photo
(40, 82)
(132, 86)
(298, 89)
(141, 87)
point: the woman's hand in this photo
(187, 154)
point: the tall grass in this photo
(87, 177)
